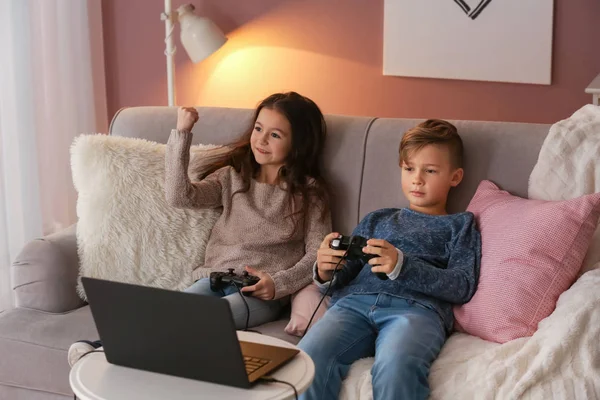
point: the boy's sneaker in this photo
(78, 349)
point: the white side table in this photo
(594, 89)
(93, 378)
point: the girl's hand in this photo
(327, 258)
(388, 255)
(264, 289)
(186, 118)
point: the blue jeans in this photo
(404, 336)
(261, 311)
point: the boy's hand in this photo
(387, 255)
(328, 258)
(186, 118)
(264, 289)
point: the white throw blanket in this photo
(562, 359)
(569, 166)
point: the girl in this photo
(275, 207)
(275, 210)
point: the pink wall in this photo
(330, 51)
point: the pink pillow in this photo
(532, 251)
(304, 304)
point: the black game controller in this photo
(220, 280)
(353, 246)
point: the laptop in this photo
(176, 333)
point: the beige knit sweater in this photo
(252, 229)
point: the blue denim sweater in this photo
(442, 254)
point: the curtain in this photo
(51, 89)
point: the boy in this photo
(431, 260)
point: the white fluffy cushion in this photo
(126, 230)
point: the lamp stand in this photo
(169, 18)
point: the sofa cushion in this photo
(126, 230)
(276, 329)
(532, 251)
(502, 152)
(343, 156)
(34, 345)
(16, 393)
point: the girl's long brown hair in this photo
(301, 175)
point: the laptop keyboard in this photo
(253, 364)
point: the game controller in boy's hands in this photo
(220, 280)
(353, 246)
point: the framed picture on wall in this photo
(482, 40)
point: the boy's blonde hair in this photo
(432, 131)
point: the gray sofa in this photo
(361, 168)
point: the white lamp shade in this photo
(200, 36)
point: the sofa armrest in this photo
(45, 273)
